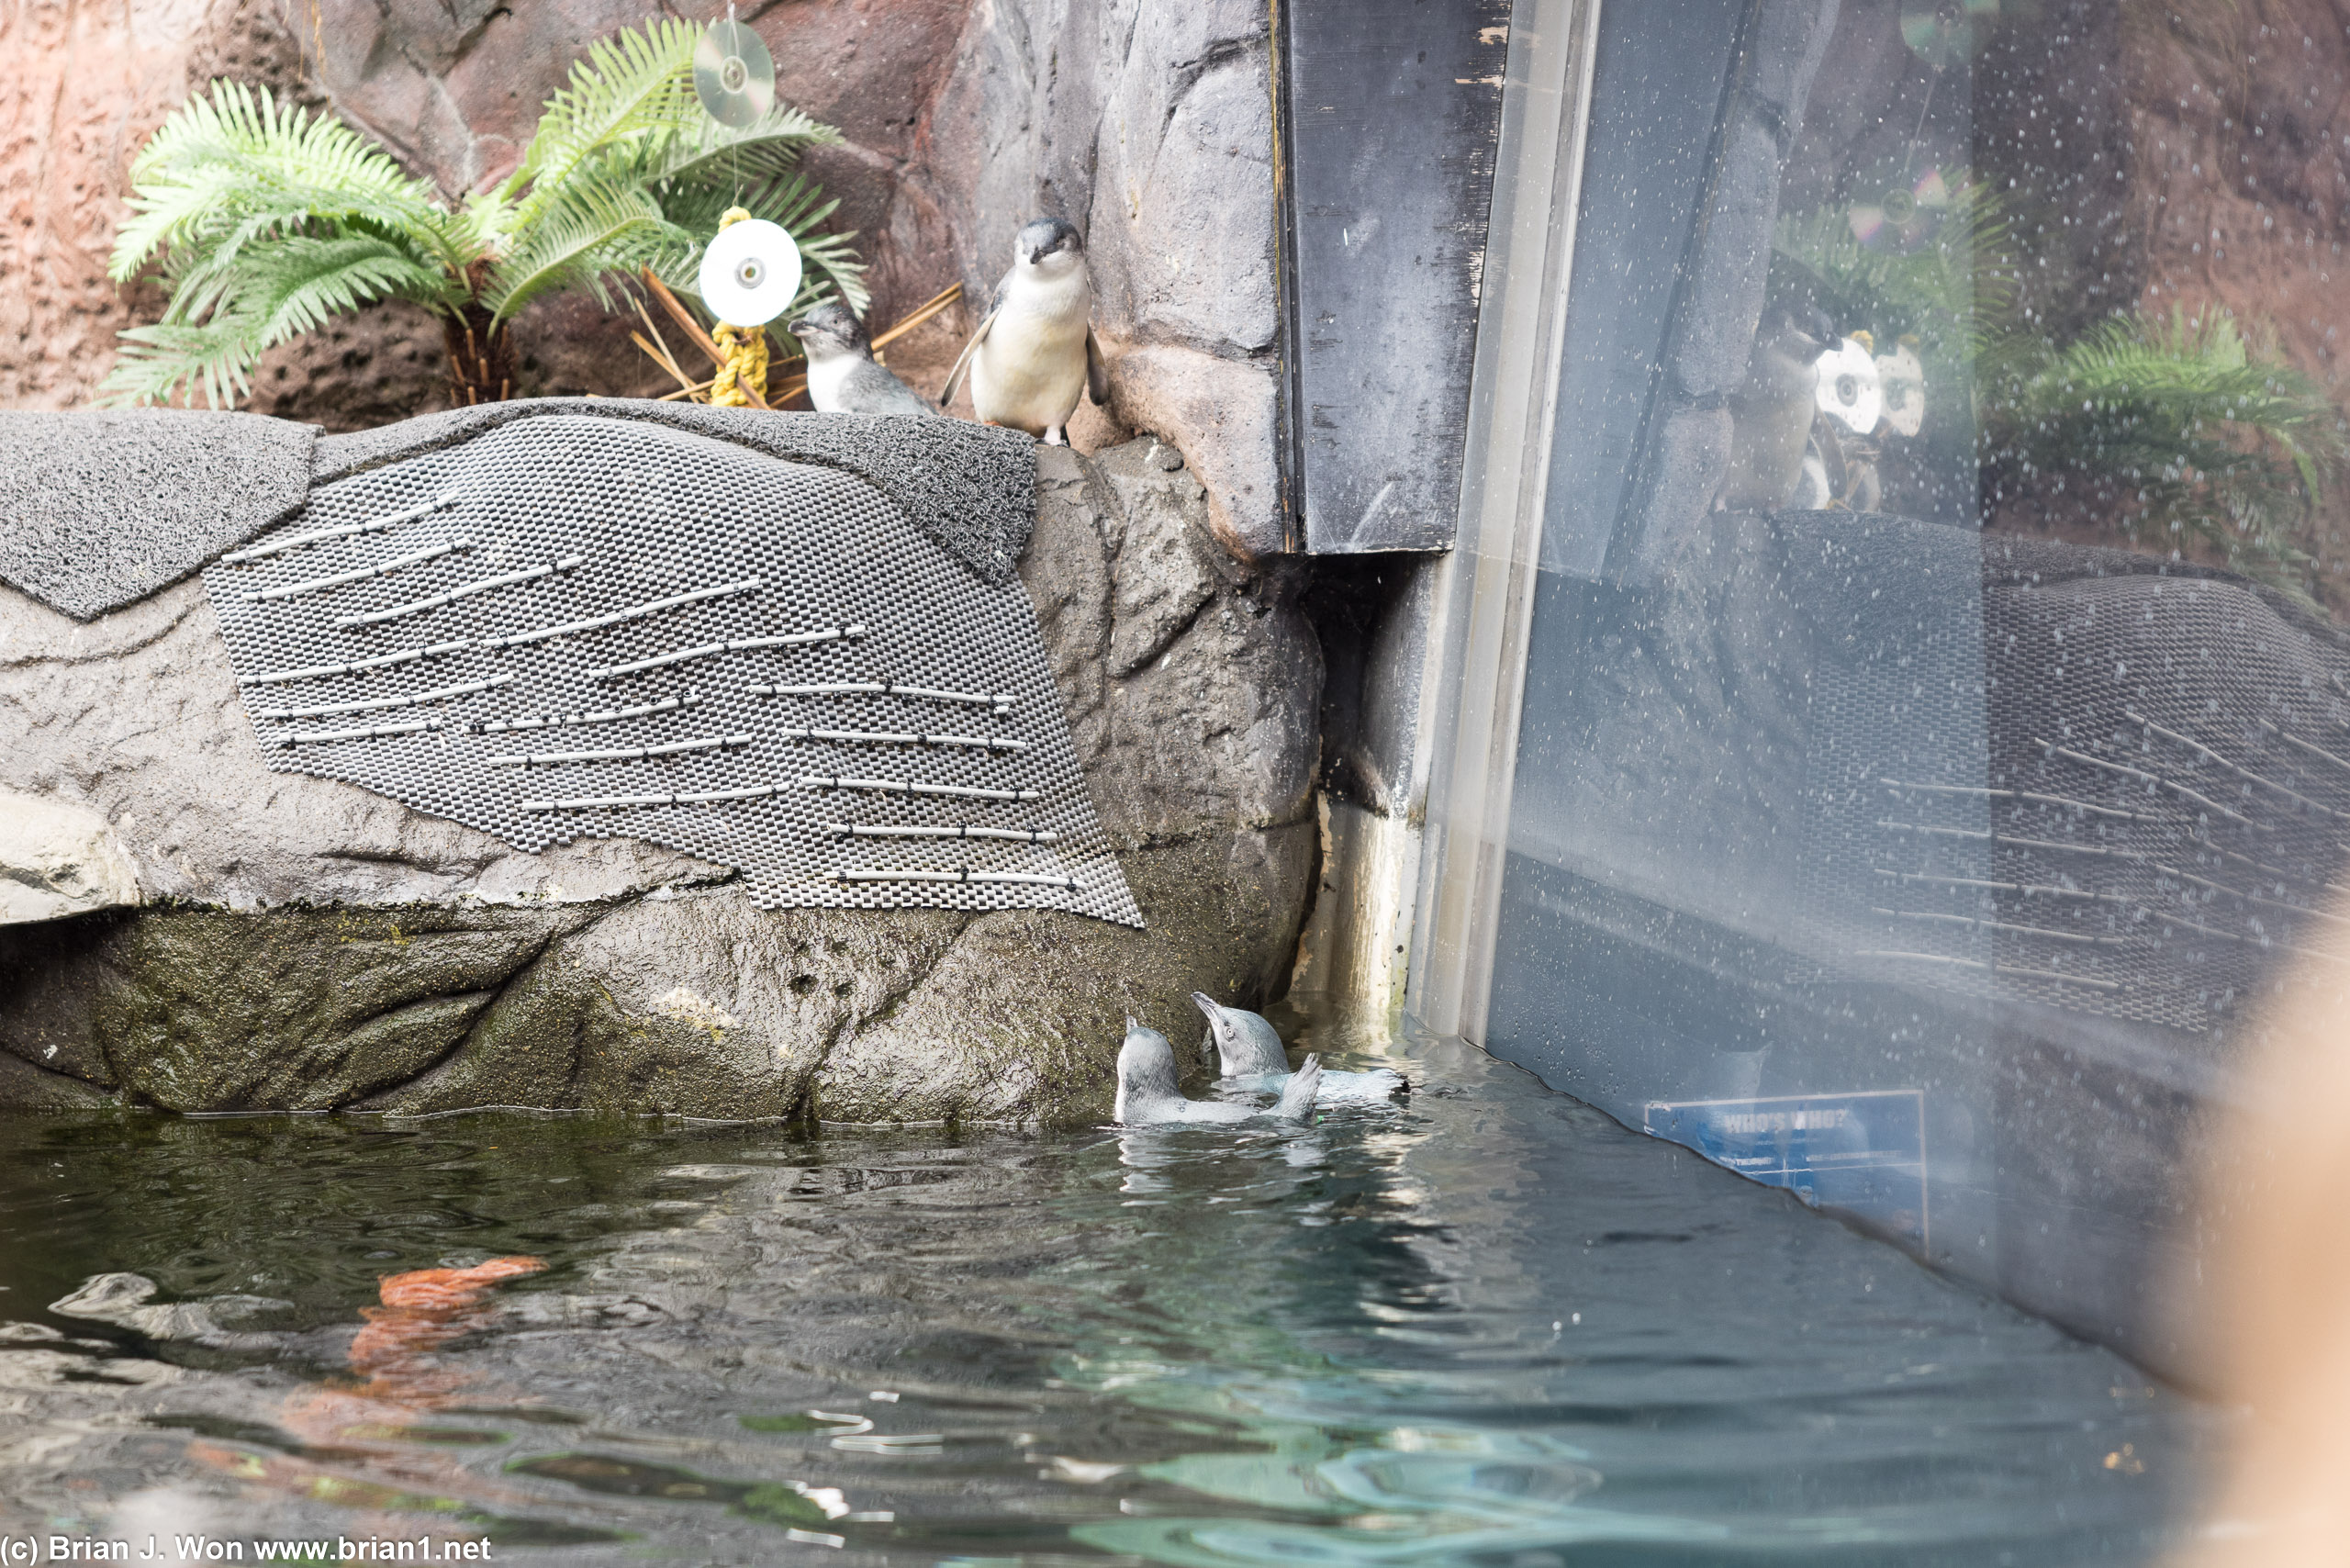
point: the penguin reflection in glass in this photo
(1035, 354)
(843, 375)
(1771, 412)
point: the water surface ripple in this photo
(1490, 1328)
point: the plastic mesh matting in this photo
(2051, 773)
(572, 627)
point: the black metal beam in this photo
(1388, 114)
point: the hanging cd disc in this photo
(1897, 205)
(734, 75)
(750, 274)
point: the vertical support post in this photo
(1476, 680)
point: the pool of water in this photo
(1488, 1327)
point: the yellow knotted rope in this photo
(744, 348)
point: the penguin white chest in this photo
(1029, 371)
(828, 381)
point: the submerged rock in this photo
(312, 945)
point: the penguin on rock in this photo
(843, 375)
(1034, 352)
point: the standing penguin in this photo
(843, 375)
(1036, 353)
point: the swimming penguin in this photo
(1251, 1056)
(1035, 351)
(843, 375)
(1147, 1094)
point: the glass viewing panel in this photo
(1935, 741)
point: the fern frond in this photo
(267, 220)
(829, 265)
(704, 153)
(2182, 419)
(232, 164)
(630, 84)
(281, 290)
(152, 364)
(1954, 294)
(596, 229)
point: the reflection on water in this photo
(1488, 1327)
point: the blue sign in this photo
(1862, 1153)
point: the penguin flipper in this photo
(1296, 1102)
(1097, 370)
(963, 360)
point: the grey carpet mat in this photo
(970, 488)
(579, 627)
(99, 509)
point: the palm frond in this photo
(595, 231)
(283, 288)
(232, 165)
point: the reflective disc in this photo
(750, 274)
(734, 75)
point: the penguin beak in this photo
(1208, 1008)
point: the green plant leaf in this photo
(266, 221)
(596, 230)
(829, 263)
(630, 84)
(281, 290)
(232, 165)
(2187, 426)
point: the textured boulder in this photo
(317, 946)
(58, 859)
(1151, 127)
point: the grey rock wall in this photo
(1150, 127)
(58, 859)
(309, 944)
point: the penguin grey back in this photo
(1146, 1086)
(843, 375)
(838, 325)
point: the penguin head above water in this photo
(1050, 246)
(1146, 1087)
(1244, 1041)
(830, 331)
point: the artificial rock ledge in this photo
(308, 945)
